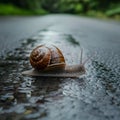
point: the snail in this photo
(48, 61)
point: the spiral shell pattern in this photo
(40, 57)
(43, 56)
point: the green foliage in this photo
(97, 8)
(13, 10)
(113, 10)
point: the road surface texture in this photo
(93, 96)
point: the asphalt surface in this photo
(94, 96)
(14, 29)
(94, 32)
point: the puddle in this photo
(93, 96)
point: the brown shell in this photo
(47, 58)
(40, 57)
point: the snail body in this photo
(49, 61)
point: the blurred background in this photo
(93, 8)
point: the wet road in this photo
(94, 32)
(94, 96)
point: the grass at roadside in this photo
(101, 15)
(13, 10)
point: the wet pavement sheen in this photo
(93, 96)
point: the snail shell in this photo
(46, 58)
